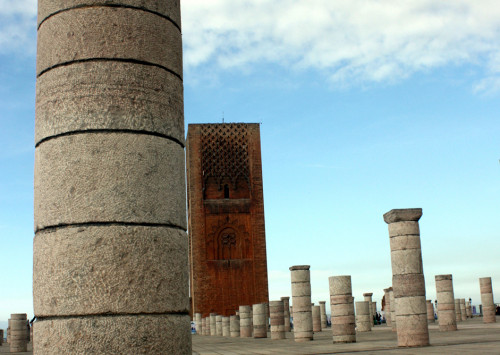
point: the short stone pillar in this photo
(246, 324)
(276, 310)
(203, 326)
(213, 324)
(394, 324)
(18, 333)
(301, 300)
(197, 323)
(407, 276)
(430, 311)
(259, 320)
(322, 307)
(462, 309)
(316, 316)
(342, 309)
(286, 313)
(234, 326)
(468, 309)
(487, 300)
(218, 325)
(458, 313)
(368, 297)
(446, 304)
(387, 307)
(225, 327)
(363, 318)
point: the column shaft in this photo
(301, 300)
(446, 304)
(342, 309)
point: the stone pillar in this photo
(1, 337)
(286, 313)
(487, 300)
(234, 326)
(363, 320)
(218, 325)
(387, 307)
(8, 332)
(394, 326)
(276, 309)
(468, 309)
(446, 305)
(225, 327)
(374, 309)
(458, 314)
(322, 307)
(204, 326)
(316, 317)
(18, 333)
(301, 300)
(368, 297)
(430, 311)
(462, 309)
(260, 320)
(197, 323)
(213, 324)
(407, 276)
(246, 325)
(110, 253)
(342, 309)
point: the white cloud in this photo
(349, 40)
(18, 26)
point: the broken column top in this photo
(368, 294)
(404, 214)
(300, 267)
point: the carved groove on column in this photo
(113, 223)
(93, 315)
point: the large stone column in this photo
(394, 326)
(458, 313)
(246, 326)
(387, 307)
(430, 311)
(276, 311)
(322, 306)
(316, 317)
(446, 304)
(487, 300)
(363, 320)
(110, 247)
(368, 298)
(18, 333)
(301, 300)
(342, 309)
(260, 320)
(286, 313)
(407, 276)
(234, 326)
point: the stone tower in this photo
(227, 245)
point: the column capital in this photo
(403, 214)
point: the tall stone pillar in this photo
(276, 311)
(363, 320)
(197, 323)
(368, 298)
(286, 313)
(218, 325)
(316, 317)
(301, 300)
(407, 276)
(342, 309)
(487, 300)
(110, 246)
(322, 306)
(462, 309)
(458, 313)
(387, 307)
(225, 327)
(430, 311)
(446, 304)
(246, 326)
(260, 320)
(213, 324)
(18, 333)
(234, 326)
(394, 326)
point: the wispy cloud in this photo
(18, 26)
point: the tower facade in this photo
(227, 244)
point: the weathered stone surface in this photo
(18, 334)
(405, 214)
(301, 300)
(363, 319)
(234, 326)
(393, 310)
(134, 334)
(486, 290)
(170, 9)
(340, 285)
(218, 325)
(81, 271)
(316, 318)
(463, 313)
(406, 262)
(259, 320)
(404, 228)
(368, 298)
(387, 308)
(342, 309)
(213, 324)
(408, 285)
(225, 327)
(302, 330)
(109, 96)
(286, 313)
(276, 310)
(458, 315)
(322, 306)
(109, 177)
(246, 327)
(198, 323)
(412, 330)
(110, 33)
(430, 311)
(403, 242)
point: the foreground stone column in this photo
(446, 304)
(225, 327)
(18, 333)
(458, 313)
(487, 300)
(234, 326)
(342, 309)
(394, 326)
(246, 326)
(368, 298)
(198, 323)
(110, 249)
(430, 311)
(218, 325)
(387, 307)
(363, 320)
(301, 299)
(316, 317)
(213, 324)
(286, 313)
(260, 320)
(322, 307)
(277, 311)
(407, 276)
(462, 309)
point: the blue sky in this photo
(365, 106)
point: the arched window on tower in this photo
(226, 191)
